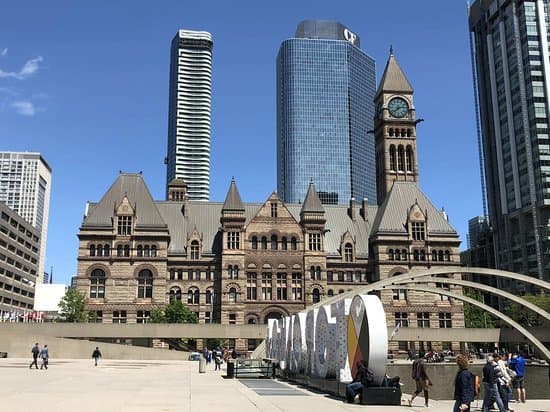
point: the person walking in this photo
(490, 390)
(96, 354)
(421, 379)
(464, 385)
(218, 361)
(35, 352)
(517, 364)
(504, 382)
(45, 356)
(363, 378)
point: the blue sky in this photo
(86, 84)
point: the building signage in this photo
(350, 36)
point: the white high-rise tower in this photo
(25, 183)
(188, 156)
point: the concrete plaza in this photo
(76, 385)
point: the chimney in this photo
(352, 211)
(364, 210)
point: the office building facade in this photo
(188, 155)
(325, 92)
(25, 185)
(19, 260)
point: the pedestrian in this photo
(35, 352)
(44, 355)
(464, 385)
(504, 382)
(363, 378)
(490, 389)
(218, 361)
(421, 379)
(517, 364)
(96, 354)
(410, 355)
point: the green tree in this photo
(177, 312)
(526, 317)
(72, 306)
(157, 316)
(475, 317)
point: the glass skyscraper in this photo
(510, 58)
(188, 155)
(325, 111)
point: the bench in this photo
(383, 395)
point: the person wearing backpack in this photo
(421, 379)
(464, 385)
(517, 364)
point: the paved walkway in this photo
(76, 385)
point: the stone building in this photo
(238, 262)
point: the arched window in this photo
(409, 159)
(208, 297)
(440, 256)
(397, 254)
(316, 295)
(330, 293)
(404, 254)
(348, 252)
(254, 242)
(232, 295)
(391, 255)
(190, 296)
(392, 157)
(194, 250)
(233, 271)
(140, 250)
(390, 132)
(403, 132)
(153, 251)
(264, 243)
(106, 250)
(252, 321)
(145, 284)
(341, 291)
(318, 273)
(196, 297)
(97, 284)
(92, 250)
(422, 255)
(409, 132)
(284, 244)
(273, 242)
(100, 250)
(400, 159)
(447, 256)
(312, 273)
(434, 255)
(146, 250)
(293, 244)
(416, 255)
(119, 252)
(127, 250)
(175, 294)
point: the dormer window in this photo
(124, 225)
(418, 231)
(348, 252)
(274, 209)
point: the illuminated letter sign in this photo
(350, 36)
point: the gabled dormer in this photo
(194, 244)
(124, 219)
(417, 223)
(347, 247)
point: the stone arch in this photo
(95, 266)
(148, 267)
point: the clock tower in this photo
(395, 130)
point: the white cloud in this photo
(29, 68)
(3, 52)
(24, 107)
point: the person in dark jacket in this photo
(363, 378)
(420, 377)
(464, 385)
(96, 354)
(35, 352)
(490, 390)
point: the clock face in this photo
(398, 107)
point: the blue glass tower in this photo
(325, 110)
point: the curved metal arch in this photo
(430, 272)
(494, 312)
(478, 286)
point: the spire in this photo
(312, 203)
(393, 79)
(233, 198)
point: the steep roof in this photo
(178, 182)
(134, 188)
(312, 203)
(393, 213)
(393, 79)
(233, 199)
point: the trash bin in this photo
(202, 365)
(230, 369)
